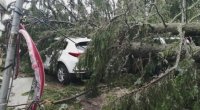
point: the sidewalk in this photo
(20, 91)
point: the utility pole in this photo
(10, 54)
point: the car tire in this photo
(63, 75)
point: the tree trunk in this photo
(143, 50)
(191, 29)
(183, 11)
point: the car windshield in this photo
(82, 45)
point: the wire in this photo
(54, 29)
(58, 32)
(20, 12)
(4, 68)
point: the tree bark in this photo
(191, 29)
(143, 50)
(183, 11)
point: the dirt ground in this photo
(56, 91)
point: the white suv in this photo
(66, 62)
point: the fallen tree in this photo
(143, 50)
(191, 29)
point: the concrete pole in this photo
(10, 55)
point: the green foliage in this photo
(180, 91)
(112, 30)
(105, 55)
(26, 67)
(52, 93)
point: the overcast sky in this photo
(26, 6)
(9, 1)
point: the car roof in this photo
(75, 39)
(78, 39)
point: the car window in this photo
(82, 45)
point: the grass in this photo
(56, 91)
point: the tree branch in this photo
(191, 29)
(57, 21)
(50, 8)
(161, 76)
(189, 8)
(71, 13)
(163, 21)
(194, 17)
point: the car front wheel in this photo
(63, 75)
